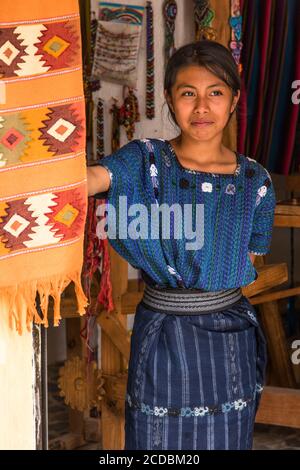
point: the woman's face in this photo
(201, 102)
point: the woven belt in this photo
(189, 301)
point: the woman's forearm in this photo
(98, 180)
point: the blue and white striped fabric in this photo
(194, 381)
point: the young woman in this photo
(197, 358)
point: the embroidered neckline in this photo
(205, 173)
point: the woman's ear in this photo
(235, 101)
(169, 100)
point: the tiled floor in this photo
(265, 437)
(276, 438)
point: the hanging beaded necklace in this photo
(115, 132)
(100, 129)
(170, 13)
(129, 113)
(150, 104)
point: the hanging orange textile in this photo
(42, 157)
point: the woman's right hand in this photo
(98, 180)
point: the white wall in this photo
(17, 420)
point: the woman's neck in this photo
(209, 152)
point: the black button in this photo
(250, 172)
(151, 158)
(184, 184)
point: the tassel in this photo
(22, 306)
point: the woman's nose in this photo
(201, 104)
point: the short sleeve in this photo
(263, 221)
(123, 166)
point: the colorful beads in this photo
(235, 22)
(170, 13)
(150, 103)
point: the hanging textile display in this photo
(235, 21)
(271, 50)
(117, 42)
(204, 16)
(129, 113)
(42, 157)
(170, 13)
(150, 104)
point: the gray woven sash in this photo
(189, 301)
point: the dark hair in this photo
(209, 54)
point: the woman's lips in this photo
(202, 123)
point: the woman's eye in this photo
(217, 93)
(188, 92)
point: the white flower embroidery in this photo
(153, 170)
(174, 273)
(251, 315)
(251, 160)
(262, 191)
(239, 404)
(207, 187)
(230, 189)
(171, 270)
(201, 411)
(160, 411)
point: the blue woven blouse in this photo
(238, 216)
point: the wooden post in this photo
(112, 361)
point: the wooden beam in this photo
(274, 295)
(279, 406)
(130, 301)
(68, 441)
(269, 275)
(287, 221)
(75, 348)
(293, 182)
(116, 332)
(277, 345)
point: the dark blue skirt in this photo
(194, 381)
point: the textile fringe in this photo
(105, 293)
(21, 300)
